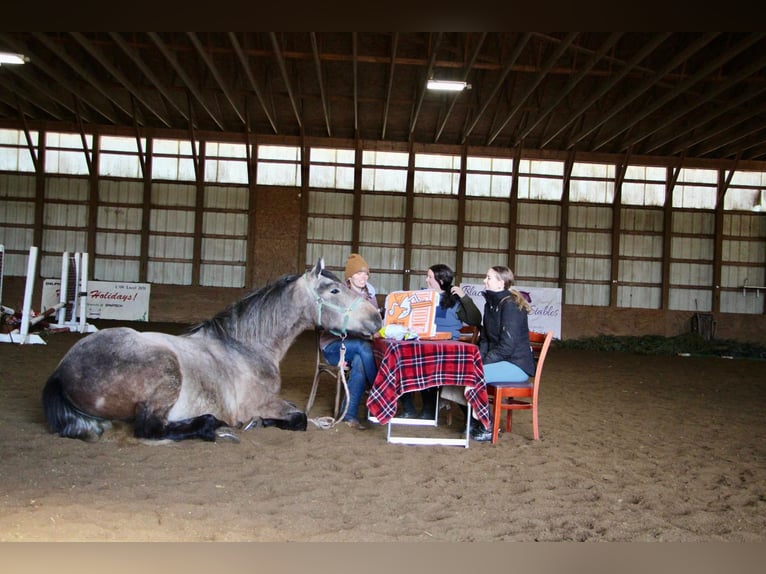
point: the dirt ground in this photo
(633, 448)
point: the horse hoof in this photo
(225, 434)
(254, 423)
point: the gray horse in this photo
(223, 374)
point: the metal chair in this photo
(325, 368)
(511, 397)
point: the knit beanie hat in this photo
(354, 264)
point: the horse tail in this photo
(63, 418)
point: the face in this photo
(359, 279)
(431, 281)
(492, 281)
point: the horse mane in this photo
(258, 311)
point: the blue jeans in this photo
(504, 372)
(363, 370)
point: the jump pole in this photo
(73, 294)
(24, 335)
(77, 298)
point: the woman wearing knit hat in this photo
(358, 351)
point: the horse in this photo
(219, 376)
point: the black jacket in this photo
(505, 332)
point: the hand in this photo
(457, 291)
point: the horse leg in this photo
(151, 426)
(289, 417)
(295, 421)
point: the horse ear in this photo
(319, 267)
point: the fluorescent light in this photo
(447, 85)
(10, 58)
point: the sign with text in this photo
(106, 299)
(545, 302)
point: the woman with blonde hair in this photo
(504, 341)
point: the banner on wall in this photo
(106, 299)
(545, 302)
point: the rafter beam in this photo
(392, 65)
(318, 66)
(170, 57)
(704, 72)
(545, 70)
(83, 73)
(285, 78)
(151, 76)
(119, 76)
(499, 84)
(429, 72)
(595, 58)
(58, 78)
(454, 98)
(647, 49)
(253, 84)
(354, 57)
(216, 74)
(710, 95)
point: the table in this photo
(406, 366)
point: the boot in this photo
(428, 397)
(408, 410)
(480, 433)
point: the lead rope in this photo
(326, 423)
(329, 422)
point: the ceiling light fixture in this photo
(11, 58)
(447, 85)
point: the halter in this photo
(346, 311)
(325, 422)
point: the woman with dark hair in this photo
(455, 309)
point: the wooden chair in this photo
(469, 334)
(325, 368)
(536, 341)
(511, 397)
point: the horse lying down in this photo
(221, 375)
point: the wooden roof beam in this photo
(638, 57)
(83, 73)
(394, 48)
(153, 78)
(285, 77)
(683, 86)
(710, 95)
(595, 58)
(253, 84)
(454, 97)
(216, 74)
(544, 71)
(188, 82)
(318, 66)
(119, 76)
(499, 84)
(429, 71)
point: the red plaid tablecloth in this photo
(405, 366)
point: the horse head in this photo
(338, 308)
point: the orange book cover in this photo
(413, 310)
